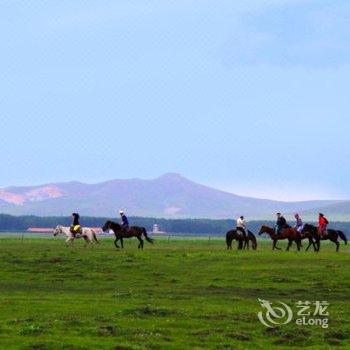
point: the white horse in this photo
(87, 233)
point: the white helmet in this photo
(121, 212)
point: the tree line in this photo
(188, 226)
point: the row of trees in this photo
(188, 226)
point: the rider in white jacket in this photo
(242, 226)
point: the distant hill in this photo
(168, 196)
(336, 211)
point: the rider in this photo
(322, 224)
(241, 226)
(281, 223)
(124, 222)
(299, 223)
(75, 227)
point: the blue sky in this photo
(247, 96)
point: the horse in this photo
(332, 235)
(133, 231)
(287, 233)
(88, 234)
(233, 234)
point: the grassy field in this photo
(181, 294)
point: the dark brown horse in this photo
(120, 233)
(242, 243)
(332, 235)
(287, 233)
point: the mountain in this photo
(169, 196)
(336, 211)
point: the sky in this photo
(251, 97)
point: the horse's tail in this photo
(148, 239)
(94, 236)
(342, 236)
(228, 240)
(253, 239)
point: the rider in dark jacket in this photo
(281, 223)
(125, 221)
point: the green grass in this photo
(182, 294)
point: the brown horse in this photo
(233, 234)
(288, 233)
(332, 235)
(133, 231)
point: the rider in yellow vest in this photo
(75, 227)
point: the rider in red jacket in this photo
(322, 224)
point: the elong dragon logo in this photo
(274, 315)
(282, 314)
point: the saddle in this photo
(322, 233)
(126, 229)
(76, 232)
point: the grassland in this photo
(181, 294)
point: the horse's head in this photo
(107, 226)
(308, 229)
(264, 229)
(57, 230)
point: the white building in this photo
(157, 231)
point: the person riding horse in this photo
(75, 228)
(322, 224)
(281, 224)
(124, 221)
(299, 223)
(241, 226)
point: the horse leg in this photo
(307, 248)
(289, 244)
(337, 244)
(275, 244)
(140, 242)
(246, 244)
(298, 244)
(69, 241)
(115, 242)
(122, 242)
